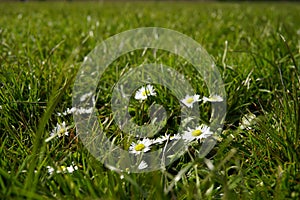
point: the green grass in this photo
(255, 46)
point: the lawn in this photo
(256, 49)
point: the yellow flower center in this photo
(145, 93)
(61, 131)
(139, 147)
(190, 100)
(196, 133)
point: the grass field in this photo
(256, 48)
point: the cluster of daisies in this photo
(62, 169)
(190, 134)
(61, 129)
(144, 92)
(146, 144)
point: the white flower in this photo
(143, 165)
(50, 169)
(84, 110)
(70, 169)
(186, 121)
(67, 112)
(175, 137)
(161, 139)
(85, 96)
(140, 146)
(77, 111)
(212, 98)
(190, 100)
(166, 137)
(144, 92)
(88, 18)
(60, 130)
(200, 132)
(247, 121)
(62, 169)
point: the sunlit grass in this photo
(256, 48)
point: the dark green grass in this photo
(42, 45)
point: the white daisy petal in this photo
(84, 110)
(212, 98)
(150, 90)
(165, 138)
(70, 169)
(176, 136)
(85, 96)
(60, 130)
(186, 121)
(50, 169)
(161, 139)
(142, 165)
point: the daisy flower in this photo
(140, 146)
(50, 169)
(175, 137)
(190, 100)
(200, 132)
(62, 169)
(144, 92)
(212, 98)
(77, 111)
(84, 110)
(247, 121)
(60, 130)
(166, 137)
(161, 139)
(71, 169)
